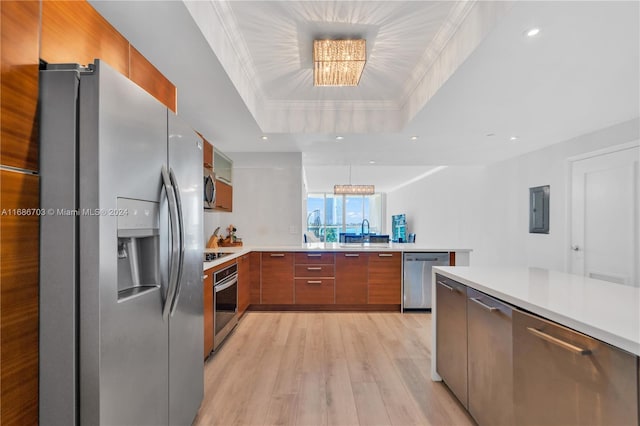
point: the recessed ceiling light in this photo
(532, 32)
(413, 138)
(513, 138)
(372, 162)
(339, 138)
(264, 138)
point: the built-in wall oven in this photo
(225, 303)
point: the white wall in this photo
(486, 208)
(267, 198)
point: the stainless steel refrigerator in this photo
(121, 310)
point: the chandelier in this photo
(338, 62)
(354, 189)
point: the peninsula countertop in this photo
(606, 311)
(331, 247)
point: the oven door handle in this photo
(226, 284)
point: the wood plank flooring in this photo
(319, 368)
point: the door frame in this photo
(569, 190)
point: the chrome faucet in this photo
(365, 236)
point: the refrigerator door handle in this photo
(175, 237)
(176, 189)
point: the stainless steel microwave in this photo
(209, 189)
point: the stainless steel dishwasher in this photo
(417, 278)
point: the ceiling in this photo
(451, 73)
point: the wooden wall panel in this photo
(20, 21)
(144, 74)
(19, 245)
(73, 31)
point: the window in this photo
(328, 215)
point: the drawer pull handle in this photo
(484, 305)
(314, 268)
(448, 287)
(314, 282)
(565, 345)
(385, 255)
(314, 255)
(277, 254)
(351, 255)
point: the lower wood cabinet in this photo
(562, 377)
(277, 278)
(352, 279)
(451, 336)
(385, 278)
(207, 285)
(244, 283)
(255, 270)
(314, 291)
(490, 360)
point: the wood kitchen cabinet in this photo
(277, 278)
(207, 153)
(451, 336)
(562, 377)
(207, 285)
(255, 270)
(314, 278)
(385, 278)
(244, 283)
(224, 196)
(352, 271)
(490, 360)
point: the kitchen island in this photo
(534, 346)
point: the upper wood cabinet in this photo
(224, 196)
(74, 32)
(207, 154)
(385, 278)
(144, 74)
(19, 83)
(277, 278)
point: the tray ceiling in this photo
(266, 49)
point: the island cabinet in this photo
(244, 283)
(451, 335)
(490, 360)
(207, 284)
(277, 278)
(562, 377)
(314, 278)
(385, 278)
(352, 279)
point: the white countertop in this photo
(607, 311)
(334, 247)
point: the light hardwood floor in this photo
(327, 369)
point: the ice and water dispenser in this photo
(138, 247)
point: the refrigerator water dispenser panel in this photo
(138, 247)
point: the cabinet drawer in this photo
(314, 291)
(564, 377)
(388, 256)
(315, 270)
(314, 258)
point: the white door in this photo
(604, 221)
